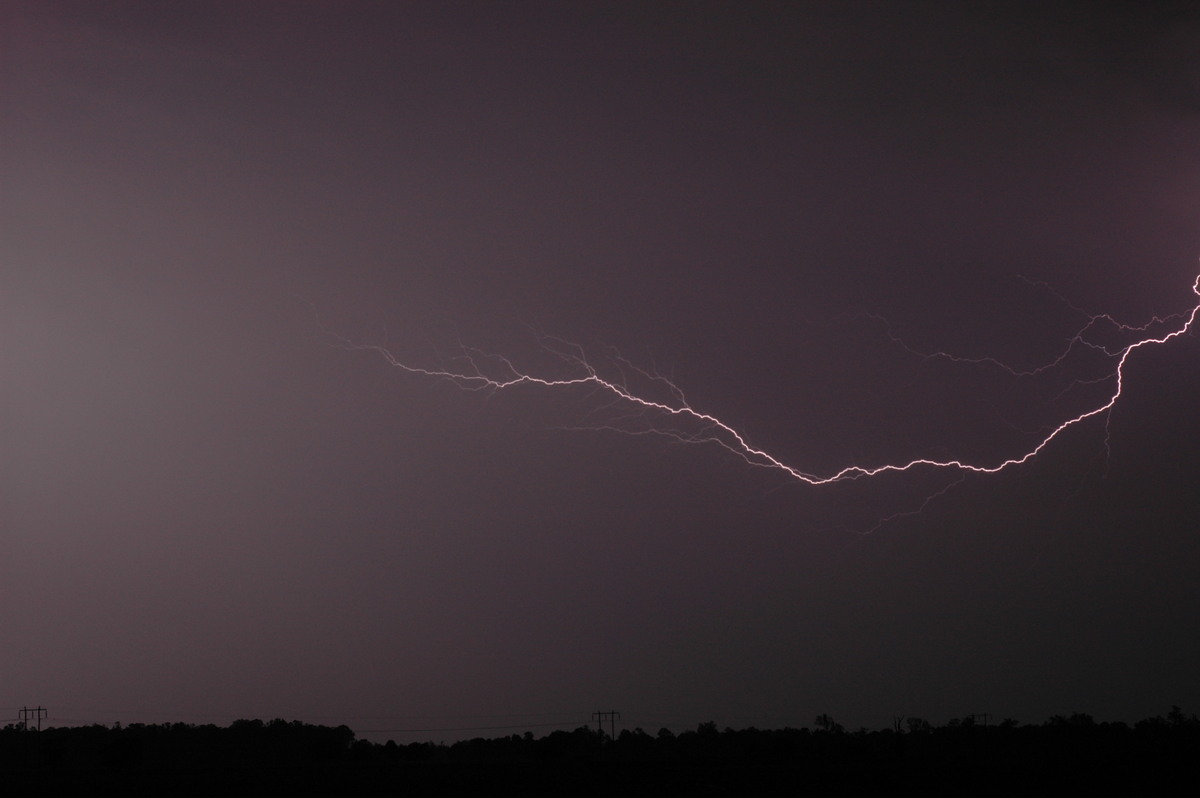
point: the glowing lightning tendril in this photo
(713, 430)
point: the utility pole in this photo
(38, 712)
(611, 717)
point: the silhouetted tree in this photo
(827, 724)
(918, 726)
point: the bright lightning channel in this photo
(664, 417)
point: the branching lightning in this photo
(660, 407)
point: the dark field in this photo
(1069, 755)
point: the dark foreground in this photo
(1065, 756)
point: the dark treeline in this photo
(1065, 755)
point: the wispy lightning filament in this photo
(657, 414)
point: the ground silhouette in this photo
(1063, 756)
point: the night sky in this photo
(211, 507)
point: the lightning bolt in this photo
(659, 407)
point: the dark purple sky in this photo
(207, 511)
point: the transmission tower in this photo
(612, 718)
(38, 712)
